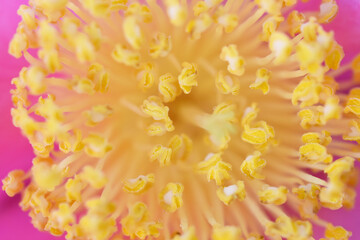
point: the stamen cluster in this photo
(183, 120)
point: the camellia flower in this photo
(184, 119)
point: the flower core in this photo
(184, 119)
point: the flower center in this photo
(203, 118)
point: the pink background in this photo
(15, 152)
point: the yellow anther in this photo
(281, 46)
(199, 25)
(227, 20)
(51, 59)
(353, 103)
(28, 16)
(154, 108)
(355, 65)
(69, 27)
(333, 195)
(310, 55)
(47, 36)
(188, 234)
(47, 176)
(22, 120)
(310, 117)
(314, 153)
(94, 33)
(273, 195)
(156, 129)
(71, 142)
(100, 207)
(39, 202)
(95, 177)
(13, 183)
(261, 82)
(19, 95)
(53, 227)
(250, 113)
(271, 6)
(252, 165)
(132, 32)
(328, 11)
(63, 216)
(332, 108)
(349, 198)
(215, 168)
(96, 227)
(188, 77)
(27, 195)
(176, 12)
(42, 147)
(336, 233)
(337, 170)
(169, 87)
(18, 44)
(162, 155)
(38, 220)
(226, 84)
(221, 124)
(122, 54)
(140, 184)
(226, 233)
(117, 5)
(96, 146)
(307, 191)
(137, 224)
(145, 76)
(97, 114)
(289, 3)
(322, 138)
(326, 39)
(236, 63)
(261, 133)
(307, 91)
(227, 194)
(200, 7)
(295, 20)
(310, 30)
(203, 6)
(160, 45)
(270, 26)
(255, 236)
(99, 77)
(47, 108)
(334, 57)
(171, 197)
(140, 11)
(285, 227)
(73, 187)
(82, 85)
(354, 134)
(34, 78)
(52, 9)
(84, 48)
(98, 8)
(181, 146)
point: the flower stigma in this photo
(184, 120)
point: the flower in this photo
(175, 135)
